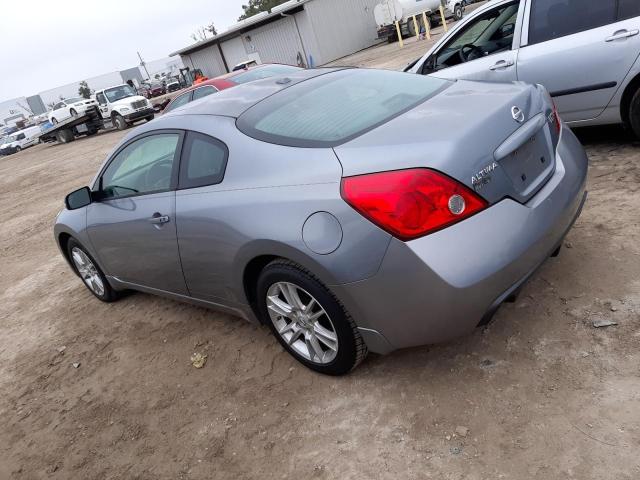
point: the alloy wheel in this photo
(88, 271)
(302, 322)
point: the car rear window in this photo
(334, 108)
(259, 73)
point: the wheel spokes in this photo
(327, 337)
(278, 306)
(295, 314)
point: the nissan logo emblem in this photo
(517, 114)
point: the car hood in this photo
(462, 132)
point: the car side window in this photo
(628, 9)
(486, 35)
(551, 19)
(179, 101)
(203, 92)
(142, 167)
(204, 161)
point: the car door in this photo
(102, 104)
(203, 239)
(580, 53)
(58, 112)
(482, 49)
(132, 226)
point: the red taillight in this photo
(411, 203)
(556, 116)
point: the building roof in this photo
(290, 7)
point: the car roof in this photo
(233, 102)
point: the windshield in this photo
(263, 72)
(10, 139)
(69, 101)
(118, 93)
(331, 109)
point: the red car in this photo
(229, 80)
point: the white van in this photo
(20, 140)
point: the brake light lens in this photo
(411, 203)
(556, 116)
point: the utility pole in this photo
(143, 64)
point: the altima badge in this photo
(518, 115)
(483, 177)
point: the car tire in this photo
(303, 337)
(89, 272)
(457, 12)
(119, 122)
(18, 149)
(150, 117)
(634, 114)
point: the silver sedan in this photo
(349, 210)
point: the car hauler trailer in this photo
(67, 131)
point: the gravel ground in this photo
(539, 394)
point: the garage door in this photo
(277, 42)
(234, 51)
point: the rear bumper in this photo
(441, 286)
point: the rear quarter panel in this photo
(260, 208)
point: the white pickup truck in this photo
(123, 106)
(388, 12)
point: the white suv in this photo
(70, 107)
(124, 106)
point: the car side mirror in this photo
(78, 199)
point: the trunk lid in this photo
(497, 139)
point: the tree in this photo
(202, 32)
(83, 89)
(256, 6)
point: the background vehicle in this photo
(229, 80)
(70, 107)
(20, 140)
(157, 89)
(588, 58)
(245, 65)
(173, 87)
(387, 12)
(123, 106)
(310, 205)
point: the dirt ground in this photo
(539, 394)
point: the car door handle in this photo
(159, 219)
(502, 64)
(622, 34)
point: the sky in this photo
(48, 43)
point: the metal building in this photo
(309, 32)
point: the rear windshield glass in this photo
(334, 108)
(263, 72)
